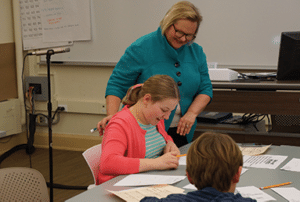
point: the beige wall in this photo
(81, 88)
(7, 37)
(6, 22)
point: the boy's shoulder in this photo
(232, 198)
(208, 194)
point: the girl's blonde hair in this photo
(160, 87)
(181, 10)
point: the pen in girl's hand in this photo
(93, 130)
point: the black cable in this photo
(243, 75)
(249, 118)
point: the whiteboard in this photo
(233, 32)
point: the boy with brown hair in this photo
(214, 165)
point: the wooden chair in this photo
(22, 184)
(92, 157)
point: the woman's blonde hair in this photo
(180, 10)
(160, 87)
(213, 160)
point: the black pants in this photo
(178, 139)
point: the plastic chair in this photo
(22, 184)
(92, 157)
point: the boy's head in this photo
(213, 160)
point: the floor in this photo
(69, 168)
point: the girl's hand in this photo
(171, 147)
(102, 124)
(167, 161)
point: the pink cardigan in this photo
(123, 145)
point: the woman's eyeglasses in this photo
(180, 34)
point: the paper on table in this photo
(290, 193)
(254, 193)
(251, 151)
(182, 160)
(190, 186)
(292, 165)
(144, 179)
(159, 191)
(263, 161)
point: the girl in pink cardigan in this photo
(135, 139)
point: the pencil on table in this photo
(181, 155)
(276, 185)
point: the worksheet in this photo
(191, 186)
(254, 150)
(263, 161)
(159, 191)
(144, 179)
(290, 193)
(254, 193)
(292, 165)
(182, 160)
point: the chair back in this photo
(92, 157)
(22, 184)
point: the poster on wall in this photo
(54, 23)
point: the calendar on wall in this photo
(53, 23)
(32, 32)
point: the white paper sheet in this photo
(254, 193)
(32, 30)
(263, 161)
(144, 179)
(66, 20)
(292, 165)
(290, 193)
(182, 160)
(191, 186)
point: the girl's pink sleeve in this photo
(114, 146)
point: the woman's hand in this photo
(171, 147)
(185, 123)
(102, 124)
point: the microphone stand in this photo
(49, 106)
(48, 57)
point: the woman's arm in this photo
(188, 119)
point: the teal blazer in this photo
(151, 55)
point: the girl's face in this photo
(154, 112)
(185, 29)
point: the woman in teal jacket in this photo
(170, 51)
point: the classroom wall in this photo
(81, 88)
(6, 23)
(8, 67)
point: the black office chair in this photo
(22, 184)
